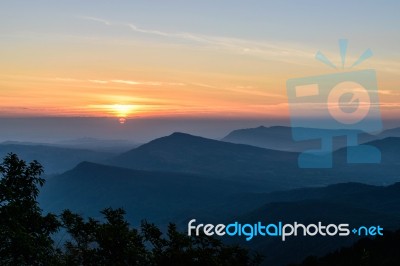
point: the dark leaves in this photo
(25, 233)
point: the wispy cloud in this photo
(135, 82)
(203, 85)
(96, 20)
(236, 45)
(98, 81)
(388, 92)
(294, 53)
(133, 27)
(240, 89)
(252, 91)
(379, 91)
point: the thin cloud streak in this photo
(187, 36)
(281, 52)
(241, 46)
(98, 81)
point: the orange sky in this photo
(96, 65)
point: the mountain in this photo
(266, 169)
(384, 199)
(185, 153)
(296, 249)
(392, 132)
(389, 148)
(375, 198)
(352, 203)
(105, 145)
(163, 197)
(384, 173)
(379, 251)
(243, 202)
(54, 159)
(275, 138)
(280, 138)
(160, 197)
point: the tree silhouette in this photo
(180, 249)
(115, 243)
(109, 243)
(381, 250)
(25, 234)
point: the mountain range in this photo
(158, 196)
(181, 176)
(55, 160)
(162, 197)
(265, 168)
(280, 137)
(352, 203)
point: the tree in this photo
(381, 250)
(179, 249)
(25, 234)
(114, 242)
(109, 243)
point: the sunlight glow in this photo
(122, 110)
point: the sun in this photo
(122, 110)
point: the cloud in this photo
(277, 51)
(64, 79)
(119, 81)
(379, 91)
(149, 83)
(96, 20)
(203, 85)
(252, 91)
(127, 82)
(388, 92)
(187, 36)
(390, 105)
(98, 81)
(294, 53)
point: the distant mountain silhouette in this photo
(382, 250)
(106, 145)
(385, 172)
(157, 196)
(267, 169)
(276, 138)
(373, 198)
(280, 138)
(389, 148)
(181, 176)
(185, 153)
(54, 159)
(392, 132)
(356, 204)
(164, 197)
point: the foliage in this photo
(115, 243)
(25, 233)
(382, 250)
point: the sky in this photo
(184, 60)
